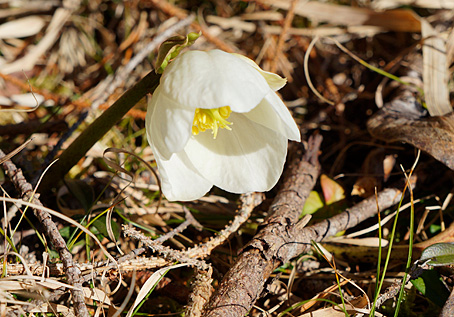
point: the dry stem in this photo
(72, 271)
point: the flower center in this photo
(213, 119)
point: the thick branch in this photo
(284, 238)
(245, 280)
(343, 221)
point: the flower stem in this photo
(97, 129)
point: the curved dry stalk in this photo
(306, 72)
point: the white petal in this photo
(179, 179)
(248, 158)
(168, 124)
(213, 79)
(275, 81)
(274, 114)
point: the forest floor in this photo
(368, 84)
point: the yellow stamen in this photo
(213, 119)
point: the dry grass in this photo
(78, 57)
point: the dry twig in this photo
(166, 252)
(72, 271)
(283, 238)
(248, 203)
(172, 10)
(283, 35)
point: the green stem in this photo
(97, 130)
(410, 252)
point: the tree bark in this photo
(283, 237)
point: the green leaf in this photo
(100, 227)
(65, 232)
(438, 254)
(434, 229)
(82, 192)
(53, 254)
(431, 285)
(313, 203)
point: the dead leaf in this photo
(372, 174)
(19, 28)
(372, 242)
(435, 73)
(97, 295)
(402, 120)
(352, 307)
(52, 308)
(428, 4)
(395, 20)
(332, 191)
(388, 165)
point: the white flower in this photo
(250, 125)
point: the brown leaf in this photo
(435, 73)
(372, 174)
(399, 20)
(401, 120)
